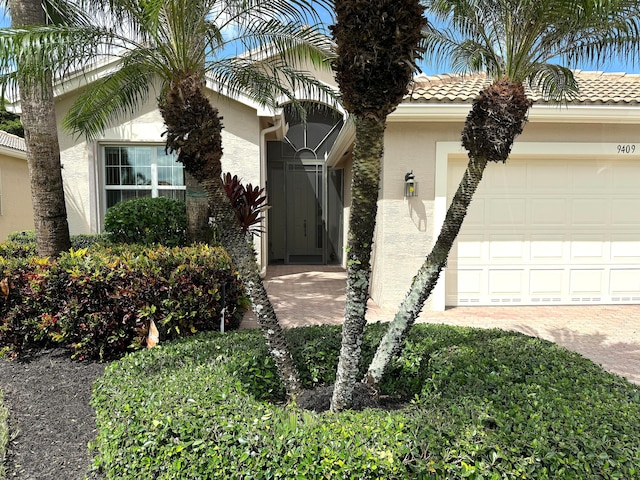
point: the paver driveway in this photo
(608, 335)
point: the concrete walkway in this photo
(608, 335)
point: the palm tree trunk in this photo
(43, 150)
(497, 117)
(427, 277)
(365, 187)
(194, 132)
(237, 245)
(197, 211)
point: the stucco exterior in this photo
(16, 213)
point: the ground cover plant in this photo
(99, 301)
(467, 403)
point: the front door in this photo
(305, 235)
(305, 218)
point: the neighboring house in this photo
(16, 213)
(559, 223)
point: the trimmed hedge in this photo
(99, 301)
(479, 404)
(148, 221)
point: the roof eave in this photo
(431, 112)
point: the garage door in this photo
(548, 231)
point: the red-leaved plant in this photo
(249, 203)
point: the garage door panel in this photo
(470, 283)
(505, 282)
(548, 211)
(590, 248)
(507, 247)
(594, 177)
(476, 213)
(544, 175)
(546, 282)
(625, 177)
(625, 282)
(505, 177)
(586, 282)
(546, 247)
(506, 211)
(625, 211)
(625, 248)
(589, 211)
(470, 247)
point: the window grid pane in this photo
(128, 173)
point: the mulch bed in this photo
(50, 419)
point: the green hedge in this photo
(99, 301)
(479, 404)
(148, 221)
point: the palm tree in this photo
(515, 42)
(41, 139)
(378, 46)
(180, 44)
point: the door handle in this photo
(305, 228)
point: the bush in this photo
(100, 301)
(27, 240)
(26, 237)
(480, 404)
(148, 221)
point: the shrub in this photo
(249, 203)
(27, 239)
(148, 221)
(86, 240)
(480, 404)
(100, 301)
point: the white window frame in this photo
(153, 187)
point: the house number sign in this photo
(627, 148)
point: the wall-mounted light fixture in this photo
(410, 185)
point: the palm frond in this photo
(111, 98)
(524, 39)
(555, 82)
(53, 50)
(270, 84)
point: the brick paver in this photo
(608, 334)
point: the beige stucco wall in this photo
(82, 171)
(16, 212)
(405, 226)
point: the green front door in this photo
(305, 232)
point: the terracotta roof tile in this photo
(12, 141)
(595, 88)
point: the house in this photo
(558, 224)
(16, 212)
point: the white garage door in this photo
(548, 231)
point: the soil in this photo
(319, 399)
(50, 419)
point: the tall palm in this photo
(378, 46)
(41, 139)
(180, 44)
(515, 42)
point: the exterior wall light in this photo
(410, 185)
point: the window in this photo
(141, 171)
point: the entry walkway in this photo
(608, 335)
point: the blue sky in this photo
(613, 65)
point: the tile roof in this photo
(12, 141)
(596, 88)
